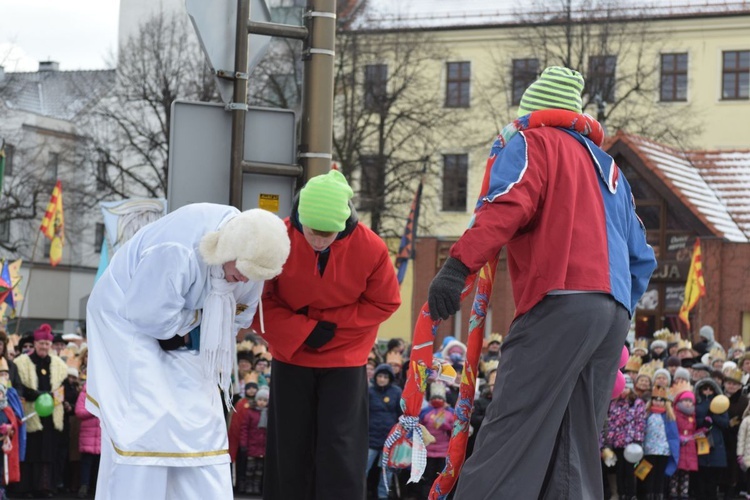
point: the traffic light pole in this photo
(316, 145)
(315, 150)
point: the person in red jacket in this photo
(578, 262)
(253, 442)
(321, 317)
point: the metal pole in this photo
(239, 104)
(317, 111)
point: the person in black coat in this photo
(385, 408)
(711, 466)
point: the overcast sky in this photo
(79, 34)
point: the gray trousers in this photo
(540, 436)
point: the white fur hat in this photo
(256, 239)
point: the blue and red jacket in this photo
(567, 216)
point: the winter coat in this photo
(253, 437)
(357, 290)
(14, 466)
(673, 440)
(538, 189)
(385, 408)
(743, 441)
(626, 423)
(439, 423)
(688, 451)
(90, 437)
(235, 426)
(718, 454)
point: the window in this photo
(5, 231)
(101, 175)
(458, 84)
(371, 182)
(455, 180)
(673, 77)
(9, 151)
(99, 238)
(601, 80)
(735, 75)
(524, 73)
(52, 166)
(376, 78)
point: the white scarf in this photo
(217, 346)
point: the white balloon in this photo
(633, 453)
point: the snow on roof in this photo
(56, 94)
(402, 14)
(714, 185)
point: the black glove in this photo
(171, 344)
(321, 334)
(444, 297)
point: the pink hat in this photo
(686, 395)
(44, 332)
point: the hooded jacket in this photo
(357, 290)
(385, 408)
(567, 216)
(715, 423)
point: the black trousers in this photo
(317, 441)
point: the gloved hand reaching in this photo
(444, 296)
(320, 335)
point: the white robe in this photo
(154, 405)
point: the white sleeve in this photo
(248, 296)
(155, 297)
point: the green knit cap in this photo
(324, 202)
(557, 88)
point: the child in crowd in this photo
(626, 423)
(712, 465)
(438, 418)
(384, 410)
(89, 444)
(661, 446)
(253, 442)
(684, 402)
(235, 429)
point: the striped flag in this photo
(406, 249)
(695, 288)
(53, 225)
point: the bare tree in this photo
(390, 119)
(613, 44)
(130, 129)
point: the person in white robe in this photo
(153, 380)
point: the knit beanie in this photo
(437, 391)
(263, 393)
(665, 372)
(557, 88)
(682, 373)
(44, 332)
(707, 332)
(324, 202)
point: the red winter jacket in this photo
(357, 292)
(90, 437)
(252, 437)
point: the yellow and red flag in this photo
(53, 225)
(695, 288)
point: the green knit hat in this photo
(557, 88)
(324, 202)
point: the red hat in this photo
(44, 332)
